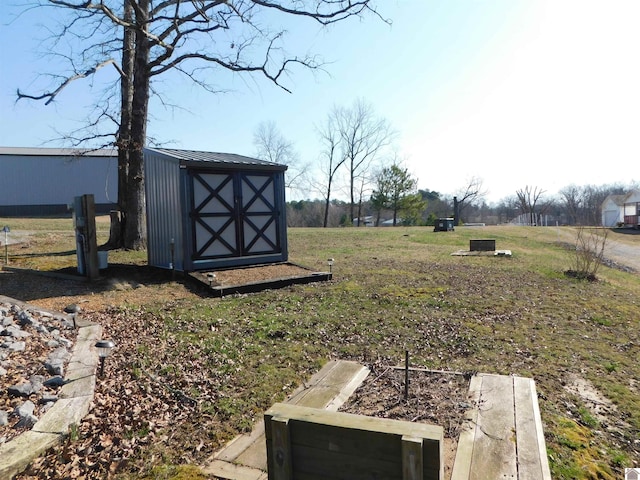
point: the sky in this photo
(539, 93)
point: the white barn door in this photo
(234, 215)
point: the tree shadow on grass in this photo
(48, 254)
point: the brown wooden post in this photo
(412, 464)
(281, 450)
(91, 243)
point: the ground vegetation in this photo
(191, 371)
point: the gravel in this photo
(35, 347)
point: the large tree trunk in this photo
(116, 237)
(135, 221)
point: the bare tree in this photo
(332, 158)
(572, 199)
(272, 146)
(194, 38)
(363, 137)
(472, 192)
(528, 201)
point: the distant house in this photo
(44, 181)
(367, 221)
(621, 210)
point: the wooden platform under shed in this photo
(257, 278)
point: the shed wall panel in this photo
(164, 212)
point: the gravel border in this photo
(73, 404)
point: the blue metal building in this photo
(44, 181)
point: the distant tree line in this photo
(530, 205)
(358, 180)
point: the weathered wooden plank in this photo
(331, 386)
(349, 420)
(347, 441)
(464, 452)
(368, 443)
(331, 465)
(231, 471)
(279, 450)
(494, 452)
(335, 441)
(241, 443)
(412, 467)
(532, 456)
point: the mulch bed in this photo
(434, 397)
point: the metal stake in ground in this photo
(406, 375)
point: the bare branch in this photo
(349, 9)
(50, 96)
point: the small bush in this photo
(588, 254)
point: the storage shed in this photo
(208, 211)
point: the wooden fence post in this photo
(281, 460)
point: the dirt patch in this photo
(261, 273)
(435, 398)
(603, 409)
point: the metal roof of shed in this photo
(195, 158)
(59, 152)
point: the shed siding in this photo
(165, 216)
(47, 183)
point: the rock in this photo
(17, 346)
(37, 382)
(25, 318)
(41, 328)
(48, 398)
(23, 390)
(66, 324)
(3, 372)
(6, 321)
(53, 382)
(53, 343)
(25, 409)
(27, 421)
(65, 342)
(4, 418)
(15, 332)
(56, 361)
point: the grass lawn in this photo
(202, 370)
